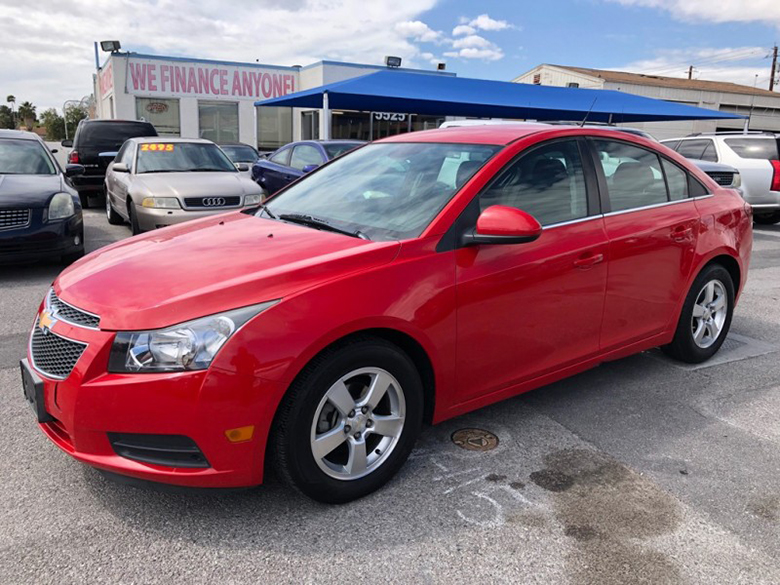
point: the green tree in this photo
(6, 118)
(54, 124)
(74, 115)
(27, 114)
(11, 99)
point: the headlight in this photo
(253, 199)
(736, 181)
(61, 206)
(161, 202)
(188, 346)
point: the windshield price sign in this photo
(157, 147)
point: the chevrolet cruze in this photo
(412, 280)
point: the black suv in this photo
(94, 147)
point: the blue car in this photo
(293, 160)
(40, 211)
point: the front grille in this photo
(167, 450)
(70, 314)
(52, 355)
(215, 202)
(14, 218)
(722, 178)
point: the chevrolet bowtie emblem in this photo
(46, 321)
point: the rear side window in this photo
(304, 155)
(633, 174)
(548, 183)
(676, 180)
(698, 149)
(111, 135)
(673, 144)
(762, 148)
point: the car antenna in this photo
(585, 119)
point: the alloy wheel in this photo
(709, 314)
(358, 423)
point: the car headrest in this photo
(465, 170)
(547, 172)
(632, 174)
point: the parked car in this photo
(293, 160)
(242, 155)
(756, 155)
(414, 279)
(94, 147)
(40, 212)
(157, 182)
(723, 175)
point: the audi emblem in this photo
(213, 201)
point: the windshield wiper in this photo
(315, 222)
(268, 211)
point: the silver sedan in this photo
(160, 181)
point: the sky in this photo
(47, 52)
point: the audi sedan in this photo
(412, 280)
(160, 181)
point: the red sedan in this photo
(415, 279)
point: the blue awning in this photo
(439, 95)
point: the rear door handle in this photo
(681, 233)
(588, 261)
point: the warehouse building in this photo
(762, 106)
(200, 98)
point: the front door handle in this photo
(588, 261)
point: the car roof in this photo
(234, 144)
(19, 134)
(169, 139)
(105, 121)
(498, 134)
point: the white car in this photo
(756, 155)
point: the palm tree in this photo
(27, 114)
(11, 99)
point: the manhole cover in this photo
(475, 439)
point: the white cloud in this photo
(767, 11)
(47, 54)
(472, 41)
(463, 29)
(484, 22)
(417, 30)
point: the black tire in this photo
(135, 227)
(769, 219)
(84, 198)
(683, 347)
(111, 215)
(290, 446)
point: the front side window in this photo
(125, 154)
(239, 153)
(548, 183)
(282, 157)
(387, 191)
(24, 157)
(304, 155)
(182, 157)
(218, 121)
(634, 177)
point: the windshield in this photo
(240, 154)
(387, 191)
(182, 157)
(335, 149)
(24, 157)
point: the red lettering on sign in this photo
(237, 84)
(277, 85)
(266, 85)
(151, 77)
(256, 81)
(192, 81)
(212, 76)
(223, 81)
(180, 79)
(138, 75)
(203, 80)
(164, 76)
(246, 83)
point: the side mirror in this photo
(243, 167)
(120, 168)
(67, 143)
(73, 170)
(500, 224)
(309, 168)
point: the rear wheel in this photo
(768, 219)
(349, 421)
(705, 318)
(112, 216)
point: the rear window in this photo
(111, 135)
(337, 149)
(763, 148)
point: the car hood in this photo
(194, 184)
(207, 266)
(28, 190)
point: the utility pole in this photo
(774, 70)
(690, 71)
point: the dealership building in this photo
(198, 98)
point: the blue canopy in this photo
(440, 95)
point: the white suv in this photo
(756, 155)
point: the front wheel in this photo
(705, 318)
(135, 227)
(349, 421)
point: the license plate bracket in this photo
(33, 392)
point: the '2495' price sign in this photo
(157, 147)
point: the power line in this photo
(729, 56)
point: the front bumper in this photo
(89, 184)
(42, 240)
(92, 407)
(151, 218)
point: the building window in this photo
(310, 125)
(537, 79)
(274, 127)
(218, 121)
(163, 114)
(572, 84)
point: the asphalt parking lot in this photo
(639, 471)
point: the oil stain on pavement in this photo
(610, 513)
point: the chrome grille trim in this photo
(54, 355)
(69, 314)
(11, 219)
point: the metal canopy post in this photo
(326, 117)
